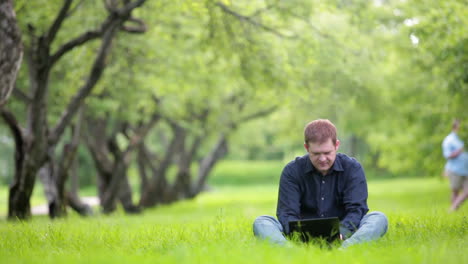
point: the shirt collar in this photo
(336, 165)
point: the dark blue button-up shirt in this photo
(305, 193)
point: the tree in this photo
(35, 143)
(112, 161)
(202, 99)
(11, 49)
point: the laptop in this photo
(316, 228)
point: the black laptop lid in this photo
(326, 228)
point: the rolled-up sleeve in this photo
(288, 208)
(451, 144)
(355, 198)
(448, 149)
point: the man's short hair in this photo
(319, 131)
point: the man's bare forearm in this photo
(456, 153)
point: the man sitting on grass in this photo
(323, 183)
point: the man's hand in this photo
(456, 153)
(445, 174)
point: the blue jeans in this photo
(372, 226)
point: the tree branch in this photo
(150, 158)
(95, 139)
(50, 36)
(261, 10)
(78, 41)
(22, 95)
(108, 29)
(15, 129)
(75, 8)
(139, 27)
(94, 34)
(259, 114)
(218, 151)
(76, 135)
(95, 74)
(251, 21)
(110, 5)
(141, 132)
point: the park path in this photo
(44, 209)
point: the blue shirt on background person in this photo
(458, 164)
(306, 193)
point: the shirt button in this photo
(323, 181)
(321, 215)
(323, 198)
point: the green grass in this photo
(216, 227)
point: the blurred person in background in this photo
(456, 168)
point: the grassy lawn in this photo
(216, 227)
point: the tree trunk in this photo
(55, 176)
(219, 150)
(47, 176)
(125, 196)
(112, 173)
(36, 140)
(11, 49)
(35, 137)
(158, 189)
(25, 171)
(142, 168)
(118, 187)
(183, 183)
(96, 141)
(72, 196)
(104, 179)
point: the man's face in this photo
(322, 155)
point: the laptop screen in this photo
(307, 229)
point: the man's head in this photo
(456, 125)
(321, 143)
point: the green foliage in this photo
(352, 62)
(356, 65)
(427, 85)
